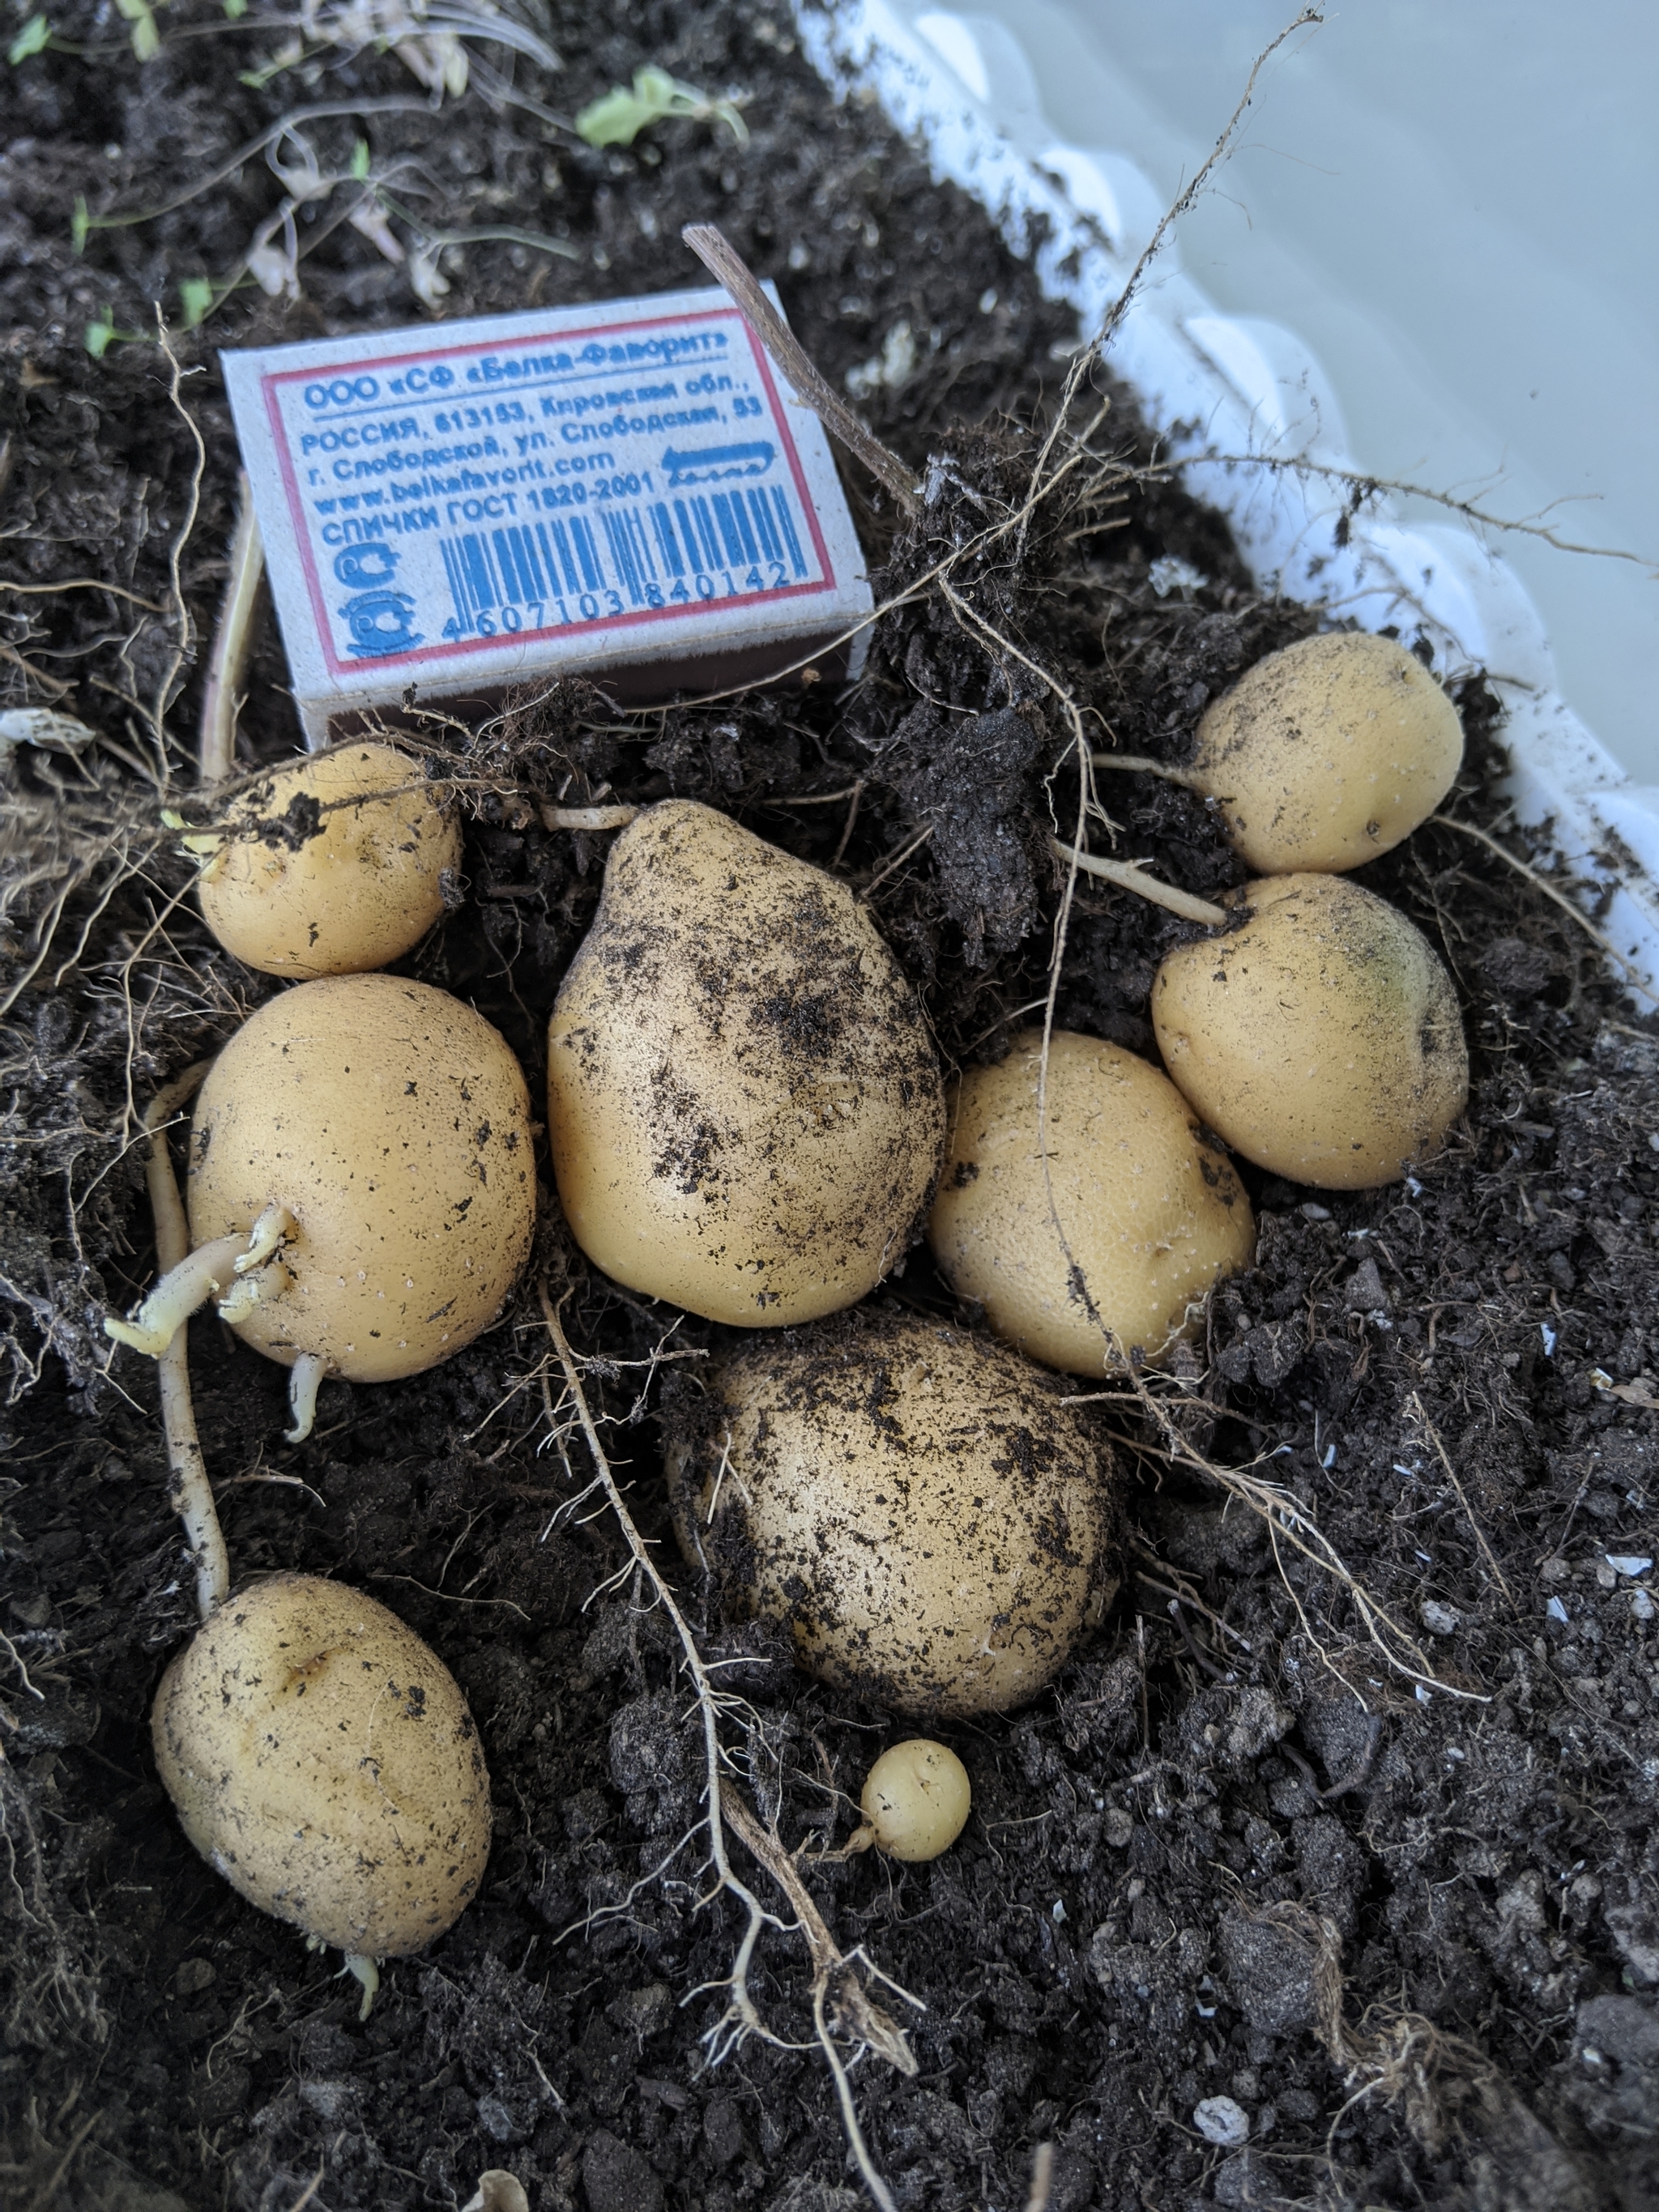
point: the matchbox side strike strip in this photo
(627, 492)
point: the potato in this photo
(393, 1123)
(1327, 753)
(743, 1104)
(916, 1799)
(330, 866)
(324, 1761)
(917, 1507)
(1322, 1040)
(1151, 1215)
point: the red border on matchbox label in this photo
(464, 648)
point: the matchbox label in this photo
(463, 498)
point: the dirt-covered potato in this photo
(1327, 753)
(393, 1124)
(917, 1507)
(1322, 1039)
(1149, 1216)
(743, 1104)
(323, 1760)
(916, 1800)
(330, 865)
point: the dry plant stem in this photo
(839, 2000)
(188, 1491)
(1444, 1458)
(1643, 983)
(233, 640)
(834, 1979)
(728, 268)
(586, 817)
(184, 632)
(1128, 877)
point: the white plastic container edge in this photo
(1236, 399)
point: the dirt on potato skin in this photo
(1101, 1949)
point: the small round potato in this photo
(324, 1761)
(1322, 1040)
(1150, 1215)
(393, 1123)
(919, 1508)
(330, 866)
(743, 1104)
(916, 1798)
(1327, 753)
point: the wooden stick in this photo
(724, 263)
(232, 642)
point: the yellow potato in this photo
(744, 1104)
(1151, 1215)
(916, 1799)
(323, 1760)
(1327, 753)
(330, 866)
(1323, 1039)
(917, 1507)
(393, 1123)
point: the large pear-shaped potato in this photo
(742, 1100)
(1323, 1039)
(330, 866)
(1327, 753)
(1109, 1255)
(324, 1761)
(918, 1508)
(393, 1123)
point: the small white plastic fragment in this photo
(1556, 1610)
(1221, 2121)
(1630, 1564)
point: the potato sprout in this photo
(1323, 1039)
(330, 867)
(323, 1760)
(361, 1189)
(1093, 1236)
(1327, 753)
(744, 1104)
(915, 1802)
(919, 1507)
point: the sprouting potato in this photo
(1322, 1039)
(1327, 753)
(330, 866)
(744, 1107)
(387, 1126)
(917, 1507)
(916, 1800)
(1149, 1216)
(323, 1760)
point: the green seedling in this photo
(31, 40)
(618, 119)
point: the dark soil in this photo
(1410, 1926)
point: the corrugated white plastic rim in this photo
(1248, 413)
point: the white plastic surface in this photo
(1250, 413)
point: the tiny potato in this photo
(1322, 1039)
(393, 1124)
(330, 866)
(323, 1760)
(744, 1108)
(918, 1508)
(916, 1800)
(1327, 753)
(1149, 1214)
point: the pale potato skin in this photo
(323, 1760)
(356, 891)
(914, 1506)
(1323, 1039)
(917, 1798)
(1151, 1215)
(744, 1107)
(393, 1123)
(1327, 753)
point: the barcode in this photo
(584, 568)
